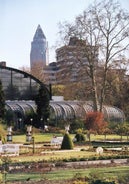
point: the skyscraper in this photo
(38, 49)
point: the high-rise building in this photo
(72, 61)
(38, 54)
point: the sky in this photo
(19, 20)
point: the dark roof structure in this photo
(19, 85)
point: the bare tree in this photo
(105, 28)
(38, 71)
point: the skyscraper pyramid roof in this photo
(39, 34)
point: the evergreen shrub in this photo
(67, 142)
(80, 137)
(75, 125)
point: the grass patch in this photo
(46, 137)
(107, 172)
(53, 156)
(23, 177)
(39, 138)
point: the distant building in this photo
(72, 60)
(50, 73)
(39, 49)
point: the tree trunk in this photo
(95, 99)
(94, 90)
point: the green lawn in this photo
(46, 137)
(41, 137)
(107, 172)
(54, 156)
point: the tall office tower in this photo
(39, 48)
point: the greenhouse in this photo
(61, 110)
(20, 87)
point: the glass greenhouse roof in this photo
(18, 85)
(65, 110)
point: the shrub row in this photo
(109, 144)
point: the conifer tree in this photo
(42, 102)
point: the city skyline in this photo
(19, 20)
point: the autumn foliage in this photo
(95, 122)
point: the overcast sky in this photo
(19, 20)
